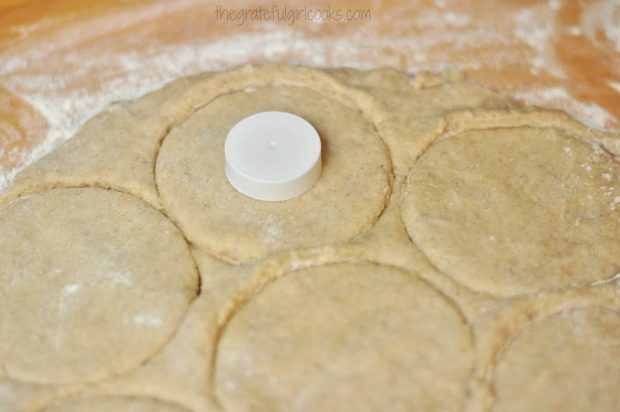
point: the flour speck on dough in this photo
(71, 288)
(118, 277)
(147, 319)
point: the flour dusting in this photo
(603, 15)
(68, 84)
(118, 278)
(147, 319)
(70, 289)
(590, 114)
(534, 26)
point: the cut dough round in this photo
(346, 200)
(511, 211)
(115, 404)
(566, 362)
(354, 337)
(92, 283)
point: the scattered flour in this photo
(273, 232)
(117, 278)
(615, 278)
(615, 85)
(71, 288)
(535, 26)
(127, 74)
(554, 4)
(590, 114)
(147, 319)
(606, 15)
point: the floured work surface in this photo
(459, 252)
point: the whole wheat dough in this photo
(346, 200)
(447, 219)
(566, 362)
(92, 283)
(345, 337)
(516, 210)
(114, 404)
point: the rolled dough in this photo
(115, 404)
(449, 225)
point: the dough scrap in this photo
(516, 210)
(345, 337)
(566, 362)
(92, 283)
(347, 199)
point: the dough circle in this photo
(115, 404)
(92, 283)
(346, 200)
(566, 362)
(516, 210)
(345, 337)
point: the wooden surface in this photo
(61, 61)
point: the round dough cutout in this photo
(516, 210)
(93, 283)
(346, 200)
(566, 362)
(345, 337)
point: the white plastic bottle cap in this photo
(273, 156)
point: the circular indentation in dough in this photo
(566, 362)
(345, 337)
(345, 201)
(92, 283)
(510, 211)
(115, 404)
